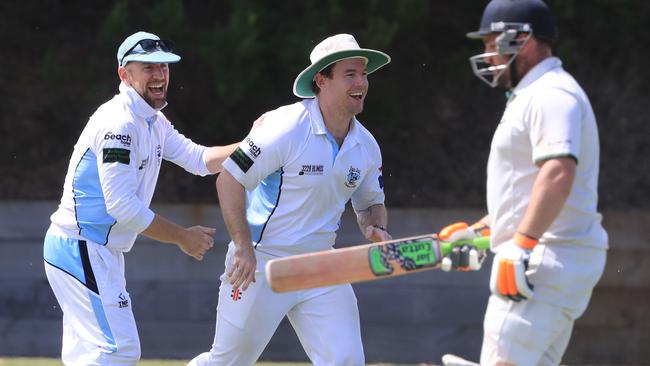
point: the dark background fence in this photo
(432, 117)
(409, 319)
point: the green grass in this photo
(36, 361)
(23, 361)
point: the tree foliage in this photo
(432, 117)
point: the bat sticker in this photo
(409, 254)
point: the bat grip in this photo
(481, 243)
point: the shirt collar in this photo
(137, 104)
(318, 125)
(536, 72)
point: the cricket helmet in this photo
(508, 19)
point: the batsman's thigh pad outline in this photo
(566, 274)
(522, 332)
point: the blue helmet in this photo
(508, 20)
(535, 13)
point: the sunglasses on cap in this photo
(150, 45)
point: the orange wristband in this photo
(525, 241)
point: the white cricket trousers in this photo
(326, 321)
(88, 282)
(536, 332)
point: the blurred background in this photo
(431, 116)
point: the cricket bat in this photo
(362, 262)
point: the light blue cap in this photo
(139, 54)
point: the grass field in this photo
(23, 361)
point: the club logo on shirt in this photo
(253, 149)
(235, 294)
(143, 164)
(311, 170)
(353, 176)
(123, 302)
(124, 139)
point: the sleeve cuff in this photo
(142, 220)
(236, 172)
(203, 168)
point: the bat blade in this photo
(361, 263)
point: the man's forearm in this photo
(164, 230)
(232, 201)
(215, 156)
(485, 220)
(373, 215)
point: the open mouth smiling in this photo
(157, 89)
(357, 95)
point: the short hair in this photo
(326, 72)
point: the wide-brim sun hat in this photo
(331, 50)
(131, 50)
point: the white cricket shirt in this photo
(114, 168)
(298, 181)
(548, 116)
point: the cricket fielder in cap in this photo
(105, 205)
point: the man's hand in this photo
(376, 233)
(242, 270)
(197, 240)
(508, 279)
(466, 257)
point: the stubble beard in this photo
(156, 103)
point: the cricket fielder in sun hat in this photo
(542, 190)
(105, 205)
(282, 192)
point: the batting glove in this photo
(466, 257)
(508, 279)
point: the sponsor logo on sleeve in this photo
(124, 139)
(311, 169)
(123, 302)
(252, 148)
(380, 178)
(353, 177)
(117, 155)
(243, 161)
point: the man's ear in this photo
(121, 72)
(319, 79)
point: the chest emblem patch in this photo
(353, 177)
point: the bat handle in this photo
(482, 243)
